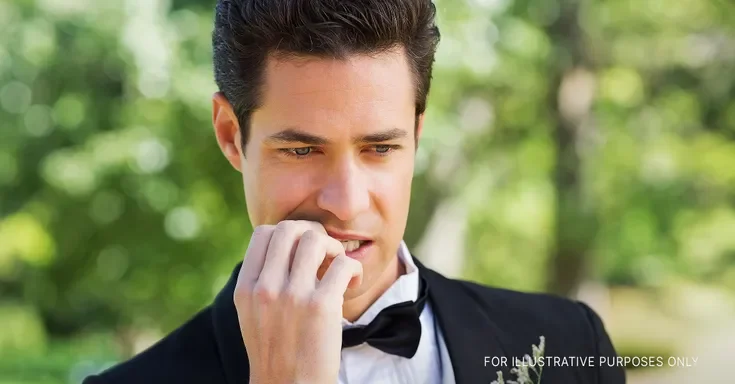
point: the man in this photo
(321, 107)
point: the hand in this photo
(290, 321)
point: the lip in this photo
(346, 236)
(362, 252)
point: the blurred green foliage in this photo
(586, 139)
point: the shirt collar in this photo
(405, 288)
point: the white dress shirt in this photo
(363, 364)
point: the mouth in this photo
(351, 245)
(356, 249)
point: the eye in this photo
(298, 153)
(382, 148)
(302, 151)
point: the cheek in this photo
(392, 188)
(274, 192)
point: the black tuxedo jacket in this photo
(477, 323)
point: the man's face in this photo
(334, 143)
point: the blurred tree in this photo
(118, 211)
(570, 95)
(574, 123)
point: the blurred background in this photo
(580, 147)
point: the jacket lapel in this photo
(232, 354)
(468, 332)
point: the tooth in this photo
(351, 245)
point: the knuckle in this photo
(285, 224)
(263, 230)
(283, 228)
(294, 296)
(316, 227)
(311, 237)
(340, 262)
(241, 296)
(264, 294)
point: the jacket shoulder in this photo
(187, 355)
(571, 328)
(541, 313)
(528, 306)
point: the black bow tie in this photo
(395, 330)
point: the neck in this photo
(353, 308)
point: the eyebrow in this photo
(292, 135)
(288, 136)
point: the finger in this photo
(255, 255)
(249, 271)
(313, 249)
(343, 272)
(281, 248)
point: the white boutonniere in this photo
(524, 368)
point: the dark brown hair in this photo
(246, 32)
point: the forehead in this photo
(319, 93)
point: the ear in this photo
(226, 129)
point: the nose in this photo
(345, 192)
